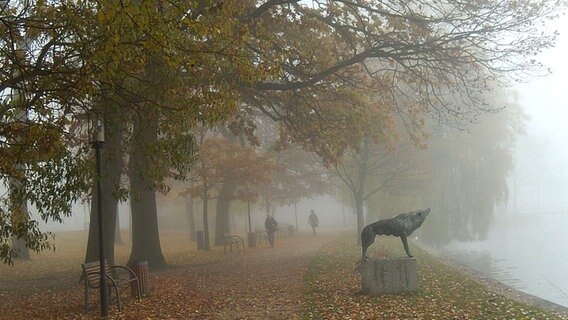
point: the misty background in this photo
(525, 246)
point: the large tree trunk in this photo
(223, 203)
(19, 215)
(18, 201)
(359, 193)
(205, 226)
(117, 235)
(113, 164)
(360, 218)
(190, 216)
(19, 246)
(145, 234)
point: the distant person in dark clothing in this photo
(271, 226)
(313, 221)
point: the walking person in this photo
(271, 226)
(313, 221)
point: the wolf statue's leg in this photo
(405, 244)
(367, 238)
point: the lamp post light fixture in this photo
(96, 134)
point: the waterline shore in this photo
(498, 286)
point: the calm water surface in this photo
(526, 252)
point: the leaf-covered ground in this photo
(303, 277)
(334, 282)
(262, 283)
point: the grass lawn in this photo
(48, 286)
(333, 289)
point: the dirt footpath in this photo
(263, 283)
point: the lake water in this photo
(526, 252)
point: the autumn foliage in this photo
(301, 278)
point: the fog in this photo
(173, 215)
(542, 153)
(526, 244)
(526, 248)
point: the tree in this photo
(470, 173)
(424, 59)
(373, 169)
(39, 79)
(410, 60)
(161, 73)
(465, 175)
(87, 52)
(300, 175)
(221, 161)
(288, 59)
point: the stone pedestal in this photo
(389, 276)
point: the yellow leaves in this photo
(221, 160)
(333, 290)
(102, 17)
(286, 282)
(29, 143)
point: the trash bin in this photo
(141, 270)
(200, 240)
(251, 237)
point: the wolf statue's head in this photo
(415, 220)
(421, 215)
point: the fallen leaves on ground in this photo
(334, 290)
(303, 277)
(261, 283)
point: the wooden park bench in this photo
(233, 241)
(118, 278)
(261, 235)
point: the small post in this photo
(251, 236)
(248, 207)
(296, 214)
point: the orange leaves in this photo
(298, 279)
(333, 291)
(221, 160)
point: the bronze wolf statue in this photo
(400, 226)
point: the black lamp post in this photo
(97, 140)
